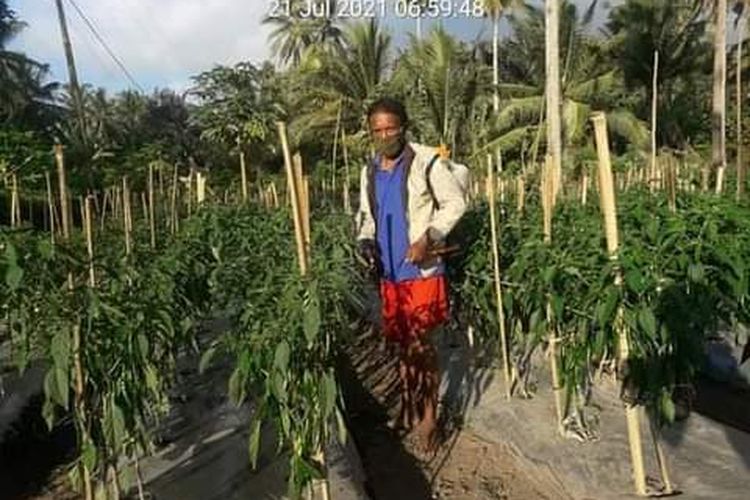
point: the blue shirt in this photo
(392, 226)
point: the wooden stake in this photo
(738, 91)
(64, 206)
(496, 265)
(173, 212)
(293, 194)
(144, 206)
(654, 102)
(190, 190)
(661, 459)
(548, 203)
(81, 205)
(275, 195)
(117, 203)
(104, 209)
(585, 185)
(127, 216)
(50, 207)
(609, 212)
(521, 192)
(89, 239)
(335, 144)
(151, 218)
(15, 212)
(306, 199)
(243, 170)
(200, 187)
(347, 180)
(160, 171)
(670, 180)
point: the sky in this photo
(164, 42)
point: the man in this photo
(404, 218)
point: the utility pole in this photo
(75, 89)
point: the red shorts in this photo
(412, 308)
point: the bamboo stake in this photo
(15, 216)
(738, 90)
(609, 212)
(190, 191)
(585, 185)
(347, 179)
(275, 195)
(96, 202)
(496, 266)
(64, 207)
(671, 183)
(78, 371)
(151, 218)
(521, 193)
(50, 207)
(301, 185)
(128, 224)
(548, 201)
(144, 206)
(200, 188)
(89, 239)
(298, 195)
(160, 171)
(297, 164)
(654, 102)
(173, 211)
(306, 199)
(103, 216)
(661, 459)
(335, 146)
(292, 189)
(81, 206)
(87, 223)
(243, 170)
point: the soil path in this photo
(465, 467)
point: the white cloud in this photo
(161, 42)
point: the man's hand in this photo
(368, 252)
(418, 251)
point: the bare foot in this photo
(427, 437)
(402, 423)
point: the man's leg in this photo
(406, 411)
(426, 365)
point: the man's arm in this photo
(450, 198)
(366, 224)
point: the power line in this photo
(103, 43)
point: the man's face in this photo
(387, 134)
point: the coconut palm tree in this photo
(25, 98)
(719, 108)
(675, 29)
(346, 78)
(496, 9)
(453, 82)
(294, 31)
(588, 82)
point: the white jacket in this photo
(422, 214)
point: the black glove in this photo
(370, 255)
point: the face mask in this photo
(389, 147)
